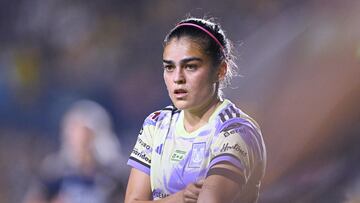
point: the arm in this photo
(138, 190)
(138, 187)
(223, 185)
(237, 165)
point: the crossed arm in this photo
(215, 188)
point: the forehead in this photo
(178, 48)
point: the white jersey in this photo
(174, 158)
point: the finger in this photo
(190, 200)
(191, 194)
(193, 189)
(199, 183)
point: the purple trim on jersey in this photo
(222, 117)
(149, 121)
(237, 113)
(227, 158)
(227, 111)
(138, 165)
(204, 133)
(240, 121)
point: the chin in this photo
(182, 105)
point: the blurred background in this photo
(299, 63)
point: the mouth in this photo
(180, 93)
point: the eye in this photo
(168, 68)
(191, 67)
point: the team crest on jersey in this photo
(197, 154)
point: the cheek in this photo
(208, 86)
(169, 84)
(166, 81)
(205, 82)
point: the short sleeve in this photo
(235, 144)
(140, 157)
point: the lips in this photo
(180, 93)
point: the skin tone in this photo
(78, 139)
(192, 82)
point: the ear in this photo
(222, 71)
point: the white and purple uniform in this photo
(174, 158)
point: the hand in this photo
(192, 191)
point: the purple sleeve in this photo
(226, 158)
(135, 163)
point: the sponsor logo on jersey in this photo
(197, 154)
(233, 126)
(155, 115)
(234, 131)
(142, 143)
(178, 155)
(226, 134)
(157, 193)
(226, 147)
(141, 155)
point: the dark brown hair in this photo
(218, 53)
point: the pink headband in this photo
(206, 31)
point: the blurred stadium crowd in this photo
(300, 78)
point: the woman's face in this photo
(188, 74)
(78, 138)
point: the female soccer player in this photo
(202, 148)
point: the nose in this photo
(179, 77)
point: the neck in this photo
(196, 118)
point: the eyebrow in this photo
(185, 60)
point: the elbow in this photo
(130, 199)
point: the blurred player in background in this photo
(89, 167)
(202, 148)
